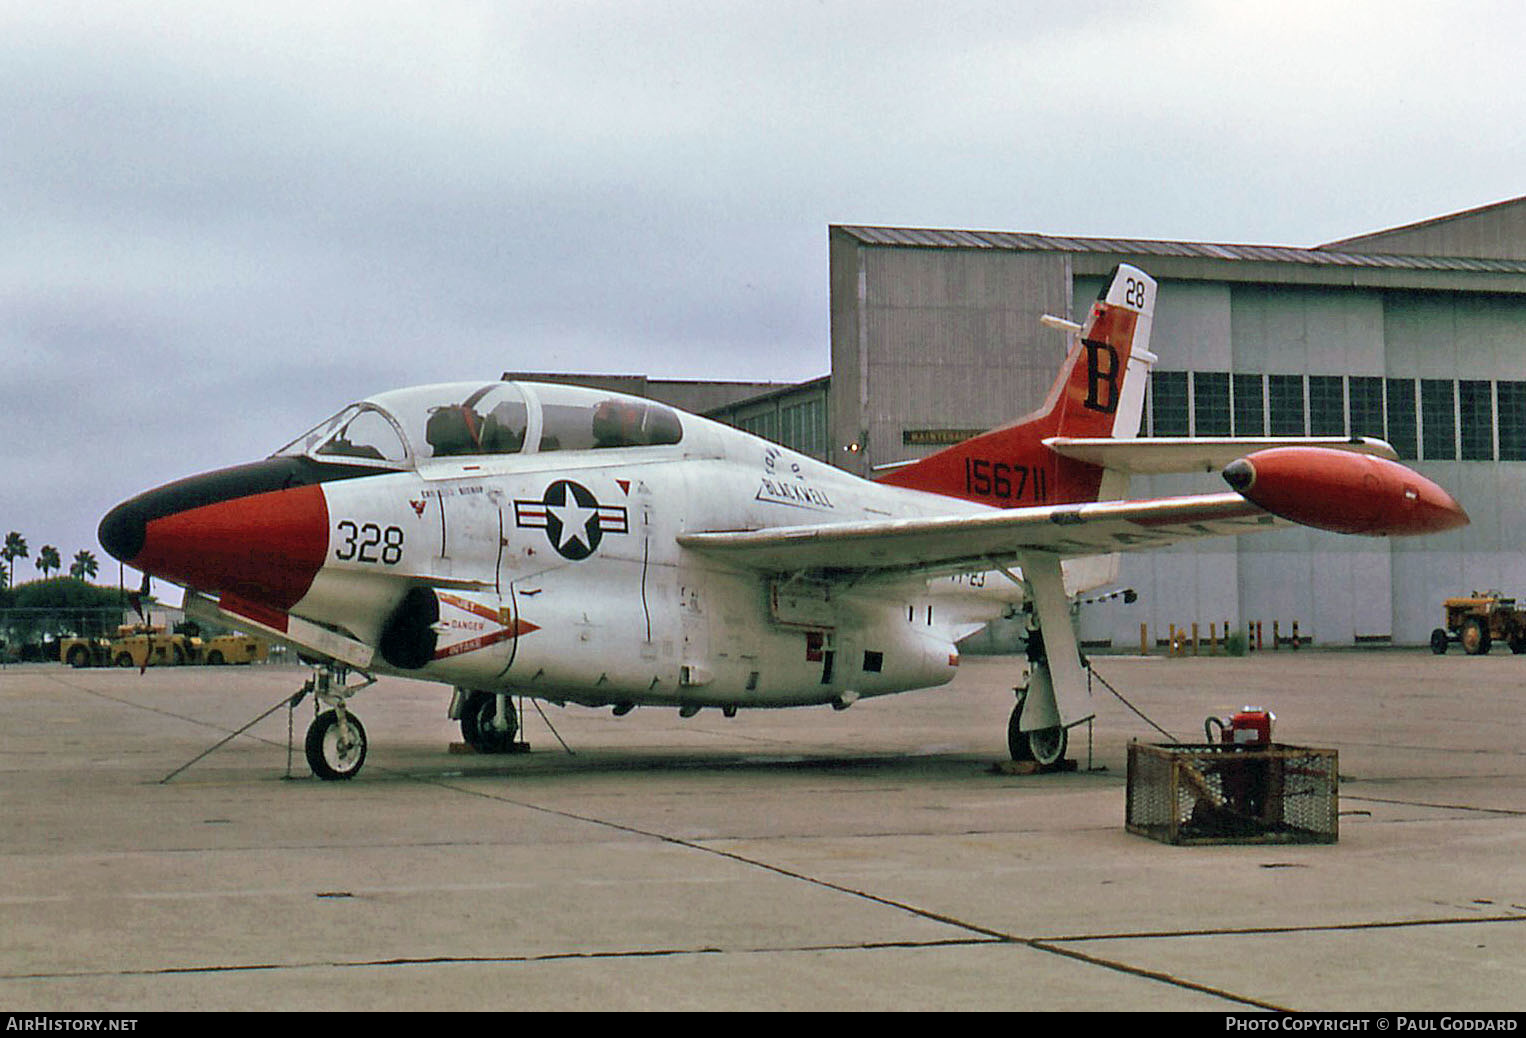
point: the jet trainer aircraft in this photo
(581, 546)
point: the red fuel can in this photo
(1252, 726)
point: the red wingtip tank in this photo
(1345, 492)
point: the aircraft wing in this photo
(946, 544)
(1335, 490)
(1161, 454)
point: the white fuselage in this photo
(559, 576)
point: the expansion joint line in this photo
(991, 935)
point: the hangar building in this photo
(1416, 334)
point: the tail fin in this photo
(1100, 392)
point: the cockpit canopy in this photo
(407, 426)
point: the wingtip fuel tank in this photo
(1344, 492)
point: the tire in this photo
(215, 658)
(329, 760)
(477, 724)
(1474, 637)
(124, 659)
(1046, 746)
(79, 657)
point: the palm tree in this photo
(48, 560)
(15, 548)
(84, 566)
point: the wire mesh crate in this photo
(1213, 793)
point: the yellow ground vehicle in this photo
(144, 645)
(84, 652)
(234, 648)
(1479, 620)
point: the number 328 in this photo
(368, 542)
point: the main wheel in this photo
(1439, 642)
(478, 724)
(330, 753)
(1474, 637)
(1046, 746)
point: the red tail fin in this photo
(1100, 392)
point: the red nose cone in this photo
(266, 548)
(1345, 492)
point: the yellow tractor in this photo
(144, 645)
(234, 648)
(1479, 620)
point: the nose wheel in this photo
(336, 740)
(336, 745)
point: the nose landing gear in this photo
(336, 740)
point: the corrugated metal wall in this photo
(927, 339)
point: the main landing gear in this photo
(1044, 745)
(336, 740)
(489, 722)
(1047, 746)
(1056, 696)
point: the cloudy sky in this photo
(221, 222)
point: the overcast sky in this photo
(221, 222)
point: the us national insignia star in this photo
(574, 520)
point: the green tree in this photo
(48, 560)
(15, 548)
(84, 566)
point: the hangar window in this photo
(1438, 419)
(1403, 428)
(1210, 403)
(1366, 406)
(1250, 406)
(1327, 405)
(765, 425)
(1512, 420)
(1475, 404)
(803, 427)
(1168, 403)
(1284, 395)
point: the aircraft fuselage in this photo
(558, 573)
